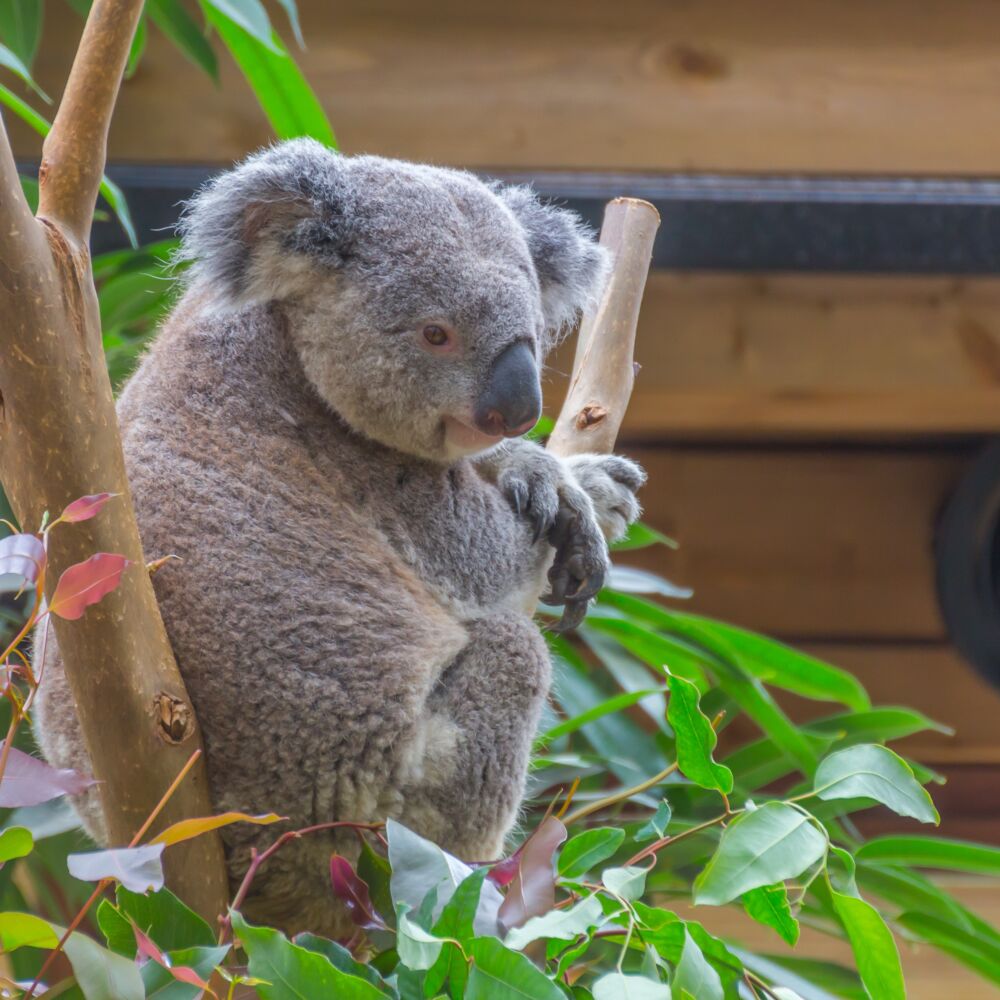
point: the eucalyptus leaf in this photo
(621, 986)
(560, 925)
(695, 738)
(933, 852)
(870, 771)
(694, 975)
(417, 948)
(588, 849)
(628, 883)
(497, 973)
(772, 843)
(768, 905)
(875, 951)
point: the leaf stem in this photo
(620, 796)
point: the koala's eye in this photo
(436, 336)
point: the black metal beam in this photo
(728, 223)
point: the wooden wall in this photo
(802, 433)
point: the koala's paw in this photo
(529, 478)
(581, 560)
(611, 482)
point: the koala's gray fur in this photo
(351, 613)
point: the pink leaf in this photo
(86, 507)
(86, 583)
(352, 891)
(28, 781)
(182, 973)
(137, 868)
(22, 556)
(533, 891)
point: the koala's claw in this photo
(581, 561)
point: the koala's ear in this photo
(257, 232)
(571, 265)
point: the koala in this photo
(328, 431)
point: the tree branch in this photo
(603, 370)
(59, 440)
(18, 230)
(75, 150)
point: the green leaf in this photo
(559, 925)
(282, 91)
(417, 948)
(782, 666)
(176, 23)
(695, 738)
(869, 771)
(655, 650)
(137, 48)
(249, 15)
(115, 197)
(770, 844)
(116, 929)
(165, 919)
(628, 883)
(10, 60)
(24, 930)
(295, 973)
(933, 852)
(293, 19)
(619, 986)
(874, 949)
(340, 957)
(641, 536)
(588, 849)
(611, 705)
(631, 580)
(160, 984)
(21, 27)
(656, 826)
(15, 842)
(768, 905)
(497, 973)
(975, 953)
(694, 975)
(876, 725)
(100, 973)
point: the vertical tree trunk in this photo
(59, 440)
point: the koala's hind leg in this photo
(466, 786)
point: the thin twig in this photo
(620, 796)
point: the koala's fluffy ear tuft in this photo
(257, 232)
(572, 266)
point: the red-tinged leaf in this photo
(188, 828)
(139, 869)
(532, 893)
(503, 872)
(86, 583)
(352, 891)
(86, 507)
(23, 557)
(182, 973)
(28, 781)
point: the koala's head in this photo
(421, 300)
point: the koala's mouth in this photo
(466, 439)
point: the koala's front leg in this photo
(576, 504)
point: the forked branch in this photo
(59, 440)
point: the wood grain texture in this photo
(882, 86)
(802, 542)
(733, 356)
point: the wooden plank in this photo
(815, 543)
(735, 355)
(640, 85)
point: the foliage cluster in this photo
(636, 812)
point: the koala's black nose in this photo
(511, 402)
